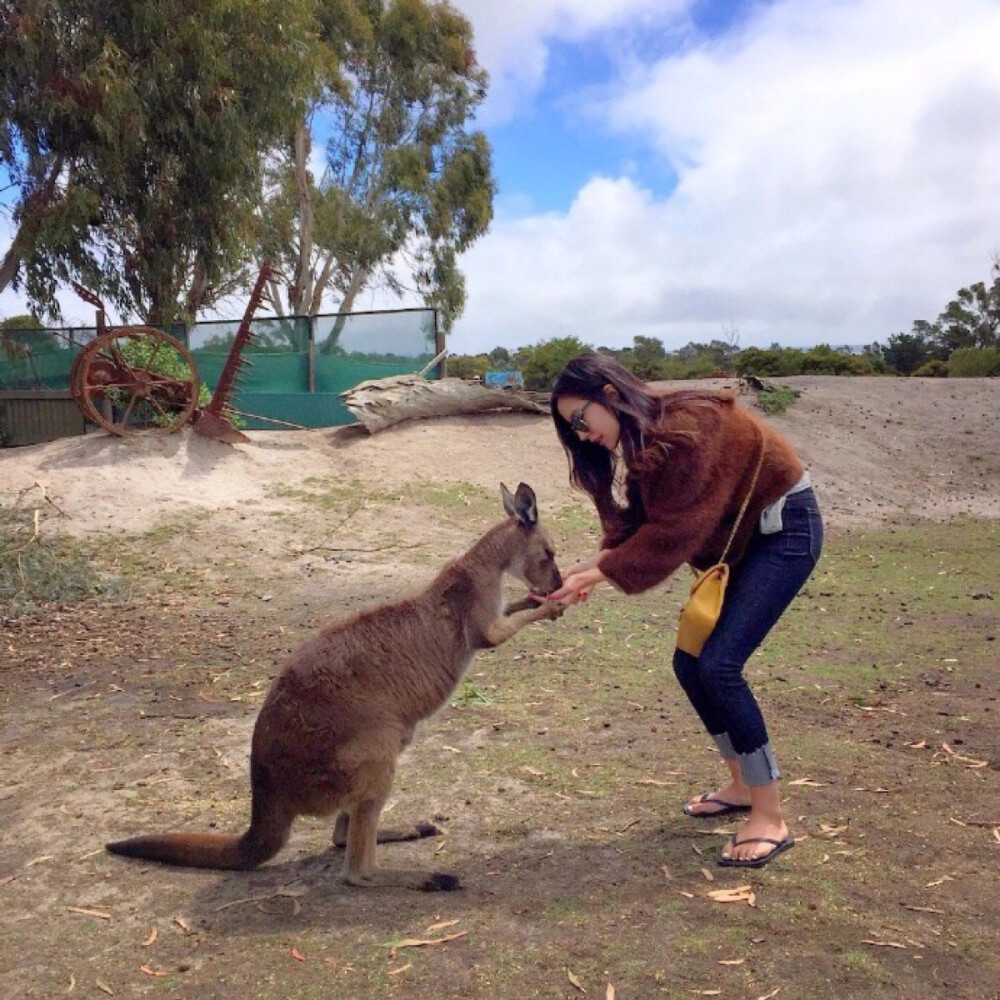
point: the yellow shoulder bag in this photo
(704, 604)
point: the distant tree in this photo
(133, 135)
(906, 352)
(972, 318)
(407, 185)
(540, 364)
(645, 358)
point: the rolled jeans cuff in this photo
(725, 745)
(758, 767)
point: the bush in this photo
(931, 369)
(974, 362)
(467, 366)
(776, 398)
(36, 569)
(541, 364)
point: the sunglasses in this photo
(577, 422)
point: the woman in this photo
(669, 473)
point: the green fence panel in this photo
(295, 369)
(306, 409)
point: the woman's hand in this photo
(584, 564)
(578, 584)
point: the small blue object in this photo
(502, 379)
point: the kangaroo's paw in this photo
(524, 604)
(416, 832)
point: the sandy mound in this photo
(878, 449)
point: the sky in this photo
(774, 171)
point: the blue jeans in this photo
(761, 586)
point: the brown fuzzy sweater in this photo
(689, 489)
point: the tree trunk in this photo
(301, 293)
(379, 403)
(35, 207)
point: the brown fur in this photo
(347, 702)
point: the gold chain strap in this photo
(746, 501)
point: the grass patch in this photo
(39, 566)
(774, 399)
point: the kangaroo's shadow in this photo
(517, 877)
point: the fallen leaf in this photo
(393, 946)
(940, 881)
(709, 993)
(291, 891)
(103, 987)
(150, 971)
(533, 771)
(708, 876)
(884, 944)
(183, 925)
(576, 982)
(832, 831)
(87, 912)
(400, 969)
(808, 782)
(996, 833)
(150, 937)
(297, 955)
(731, 961)
(441, 926)
(924, 909)
(768, 996)
(72, 983)
(740, 894)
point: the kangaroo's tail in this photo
(197, 850)
(271, 818)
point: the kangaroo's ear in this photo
(508, 501)
(525, 505)
(521, 505)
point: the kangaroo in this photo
(346, 703)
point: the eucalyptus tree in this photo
(404, 184)
(133, 135)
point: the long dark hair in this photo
(639, 411)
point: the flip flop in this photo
(725, 810)
(779, 845)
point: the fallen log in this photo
(379, 403)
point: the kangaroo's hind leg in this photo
(360, 867)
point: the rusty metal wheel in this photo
(135, 378)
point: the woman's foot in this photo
(733, 798)
(763, 834)
(755, 843)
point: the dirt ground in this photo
(551, 774)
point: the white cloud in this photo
(512, 38)
(837, 164)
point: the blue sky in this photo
(791, 171)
